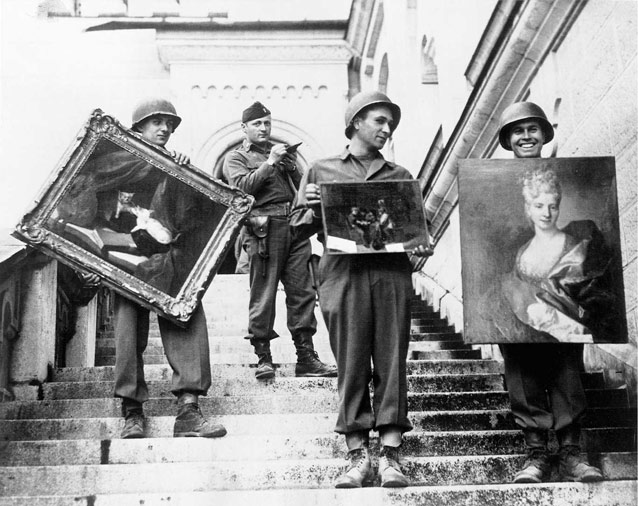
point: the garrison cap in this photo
(255, 111)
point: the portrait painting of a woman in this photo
(560, 285)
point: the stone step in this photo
(607, 493)
(436, 327)
(301, 402)
(425, 312)
(436, 345)
(254, 475)
(436, 336)
(444, 355)
(277, 447)
(285, 385)
(430, 321)
(292, 423)
(164, 372)
(106, 345)
(248, 357)
(503, 419)
(239, 348)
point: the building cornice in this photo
(285, 51)
(176, 23)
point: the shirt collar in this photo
(247, 146)
(346, 153)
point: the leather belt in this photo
(278, 209)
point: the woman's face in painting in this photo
(543, 210)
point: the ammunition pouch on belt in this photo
(258, 223)
(258, 227)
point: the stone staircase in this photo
(280, 448)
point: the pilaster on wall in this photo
(34, 349)
(80, 350)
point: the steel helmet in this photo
(152, 106)
(367, 98)
(519, 111)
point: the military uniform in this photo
(186, 350)
(276, 256)
(544, 384)
(365, 303)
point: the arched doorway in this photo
(229, 139)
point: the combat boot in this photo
(572, 465)
(134, 421)
(390, 468)
(308, 363)
(536, 466)
(359, 470)
(265, 369)
(190, 422)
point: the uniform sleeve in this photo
(296, 177)
(239, 175)
(305, 221)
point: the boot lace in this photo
(357, 458)
(389, 457)
(536, 457)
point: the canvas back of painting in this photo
(541, 251)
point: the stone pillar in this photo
(80, 350)
(34, 349)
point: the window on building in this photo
(429, 71)
(383, 75)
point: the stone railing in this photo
(30, 308)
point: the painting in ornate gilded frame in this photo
(541, 251)
(122, 208)
(373, 217)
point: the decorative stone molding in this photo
(212, 91)
(284, 51)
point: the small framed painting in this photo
(373, 217)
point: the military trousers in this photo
(186, 349)
(287, 261)
(544, 384)
(364, 300)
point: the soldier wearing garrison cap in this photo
(269, 173)
(365, 300)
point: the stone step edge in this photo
(291, 365)
(437, 495)
(312, 437)
(615, 466)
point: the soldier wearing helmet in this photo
(155, 120)
(543, 380)
(365, 299)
